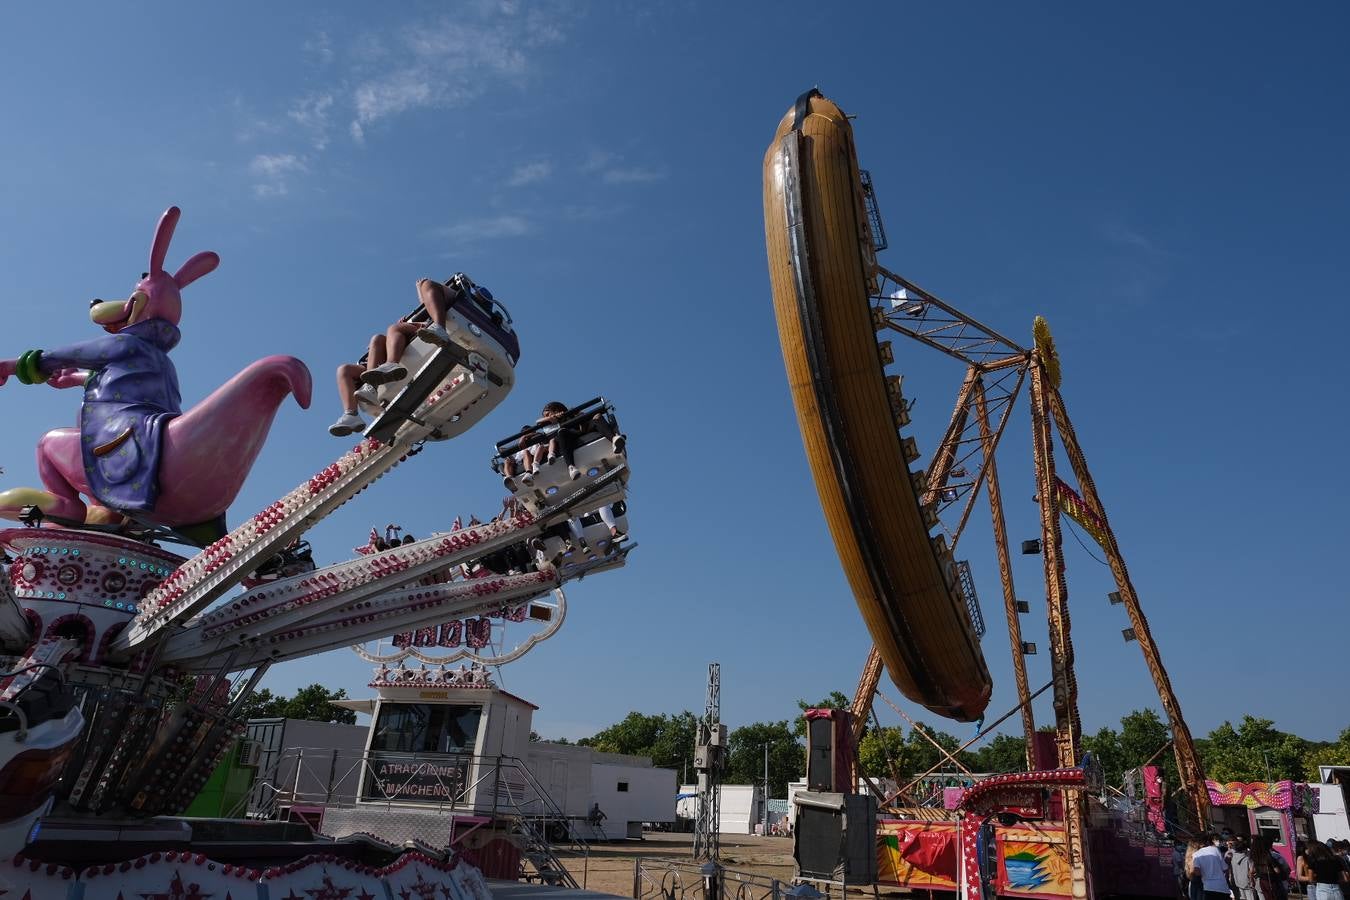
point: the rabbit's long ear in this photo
(163, 234)
(196, 267)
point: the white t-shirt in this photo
(1212, 868)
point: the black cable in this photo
(1074, 532)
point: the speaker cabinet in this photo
(836, 836)
(829, 751)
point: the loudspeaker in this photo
(836, 836)
(829, 750)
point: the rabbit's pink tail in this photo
(209, 450)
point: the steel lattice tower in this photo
(709, 757)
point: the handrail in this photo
(516, 794)
(578, 413)
(342, 782)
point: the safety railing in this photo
(502, 788)
(676, 880)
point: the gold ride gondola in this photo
(822, 263)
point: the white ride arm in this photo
(287, 603)
(460, 400)
(397, 611)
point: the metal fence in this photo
(317, 777)
(676, 880)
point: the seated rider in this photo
(563, 441)
(383, 363)
(607, 516)
(524, 461)
(438, 298)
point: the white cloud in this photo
(319, 47)
(610, 168)
(633, 174)
(390, 94)
(489, 228)
(312, 114)
(598, 160)
(530, 173)
(276, 165)
(448, 62)
(274, 172)
(372, 77)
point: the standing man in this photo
(1209, 864)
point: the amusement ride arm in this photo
(218, 568)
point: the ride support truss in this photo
(964, 463)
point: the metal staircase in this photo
(531, 823)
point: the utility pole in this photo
(766, 790)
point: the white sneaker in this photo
(390, 371)
(350, 423)
(620, 441)
(435, 334)
(368, 396)
(574, 472)
(527, 479)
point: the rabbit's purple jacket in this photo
(131, 394)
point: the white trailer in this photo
(740, 807)
(603, 796)
(1332, 821)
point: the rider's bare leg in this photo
(347, 380)
(397, 337)
(375, 354)
(431, 294)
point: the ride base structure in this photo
(833, 299)
(125, 665)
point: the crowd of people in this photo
(1226, 866)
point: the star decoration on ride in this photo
(423, 890)
(177, 891)
(330, 891)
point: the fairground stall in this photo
(1279, 810)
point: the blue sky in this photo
(1166, 184)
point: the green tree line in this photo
(1252, 750)
(312, 703)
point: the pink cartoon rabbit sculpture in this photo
(134, 450)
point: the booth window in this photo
(623, 787)
(426, 728)
(1268, 826)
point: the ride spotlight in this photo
(949, 494)
(1023, 606)
(1031, 548)
(1128, 634)
(1114, 597)
(1028, 648)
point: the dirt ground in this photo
(610, 868)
